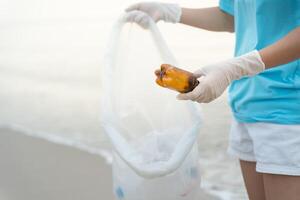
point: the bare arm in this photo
(212, 19)
(283, 51)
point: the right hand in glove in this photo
(141, 12)
(216, 77)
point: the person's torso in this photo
(273, 95)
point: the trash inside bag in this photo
(184, 183)
(154, 135)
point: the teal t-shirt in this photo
(274, 95)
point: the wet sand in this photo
(34, 169)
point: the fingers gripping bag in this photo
(154, 135)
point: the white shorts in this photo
(274, 147)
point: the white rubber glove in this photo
(215, 78)
(157, 11)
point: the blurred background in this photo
(51, 55)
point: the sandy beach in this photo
(34, 169)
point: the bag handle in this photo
(125, 151)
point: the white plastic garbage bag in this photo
(154, 136)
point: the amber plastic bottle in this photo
(176, 79)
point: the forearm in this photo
(284, 51)
(212, 19)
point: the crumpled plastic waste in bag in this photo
(154, 136)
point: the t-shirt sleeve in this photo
(227, 6)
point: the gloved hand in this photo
(215, 78)
(140, 13)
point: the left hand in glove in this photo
(142, 12)
(215, 78)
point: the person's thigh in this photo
(279, 187)
(253, 181)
